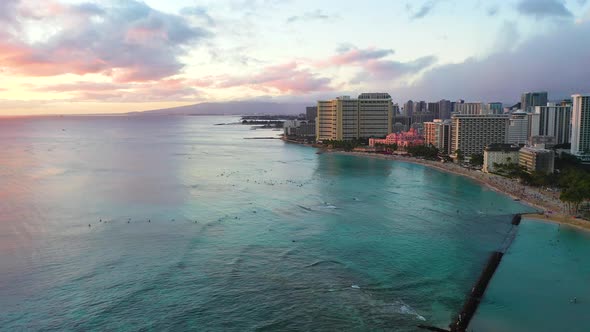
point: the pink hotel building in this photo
(404, 139)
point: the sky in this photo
(110, 56)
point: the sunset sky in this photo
(67, 56)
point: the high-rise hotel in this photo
(581, 127)
(472, 133)
(345, 118)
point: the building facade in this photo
(518, 129)
(327, 123)
(496, 154)
(344, 118)
(299, 129)
(469, 108)
(580, 137)
(529, 100)
(552, 120)
(311, 113)
(402, 140)
(408, 108)
(434, 109)
(375, 115)
(438, 134)
(445, 108)
(420, 107)
(472, 133)
(495, 108)
(537, 160)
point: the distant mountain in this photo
(232, 108)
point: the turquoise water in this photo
(205, 230)
(545, 268)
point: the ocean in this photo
(159, 223)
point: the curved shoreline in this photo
(559, 219)
(456, 170)
(549, 208)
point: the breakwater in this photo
(470, 307)
(462, 321)
(516, 219)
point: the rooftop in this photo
(375, 95)
(502, 147)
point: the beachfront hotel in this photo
(580, 138)
(402, 140)
(496, 154)
(537, 160)
(344, 118)
(472, 133)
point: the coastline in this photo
(549, 206)
(558, 219)
(494, 182)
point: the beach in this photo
(547, 202)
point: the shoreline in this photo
(552, 209)
(559, 219)
(456, 170)
(547, 204)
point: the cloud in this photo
(352, 55)
(493, 10)
(373, 65)
(543, 8)
(558, 62)
(424, 10)
(317, 15)
(379, 70)
(128, 41)
(163, 90)
(198, 12)
(285, 78)
(7, 10)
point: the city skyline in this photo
(74, 57)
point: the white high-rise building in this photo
(552, 120)
(472, 133)
(580, 138)
(518, 128)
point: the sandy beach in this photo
(547, 202)
(559, 219)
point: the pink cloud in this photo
(374, 65)
(129, 41)
(163, 90)
(286, 78)
(355, 55)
